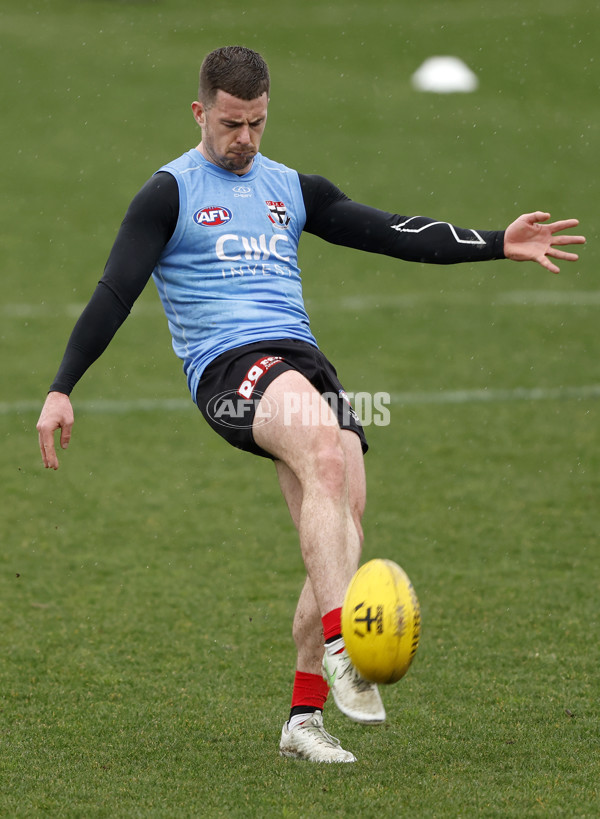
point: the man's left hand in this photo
(526, 240)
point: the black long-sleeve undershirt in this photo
(152, 217)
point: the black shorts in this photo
(233, 384)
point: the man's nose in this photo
(243, 135)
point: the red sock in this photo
(309, 690)
(332, 624)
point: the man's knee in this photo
(328, 468)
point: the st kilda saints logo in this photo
(278, 214)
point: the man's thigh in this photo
(230, 394)
(297, 423)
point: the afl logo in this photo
(213, 216)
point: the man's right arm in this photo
(147, 227)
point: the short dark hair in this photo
(236, 70)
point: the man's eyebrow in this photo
(230, 121)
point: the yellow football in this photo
(381, 621)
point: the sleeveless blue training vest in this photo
(229, 275)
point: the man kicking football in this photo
(218, 230)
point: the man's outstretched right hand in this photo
(57, 413)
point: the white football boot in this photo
(310, 741)
(356, 697)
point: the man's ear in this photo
(199, 113)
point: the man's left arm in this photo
(336, 218)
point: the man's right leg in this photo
(304, 736)
(326, 507)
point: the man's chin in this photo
(239, 161)
(235, 163)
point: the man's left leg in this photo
(307, 628)
(310, 689)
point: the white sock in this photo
(335, 646)
(298, 719)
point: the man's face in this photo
(231, 130)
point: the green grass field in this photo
(147, 587)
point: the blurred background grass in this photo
(147, 588)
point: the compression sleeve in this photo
(147, 227)
(331, 215)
